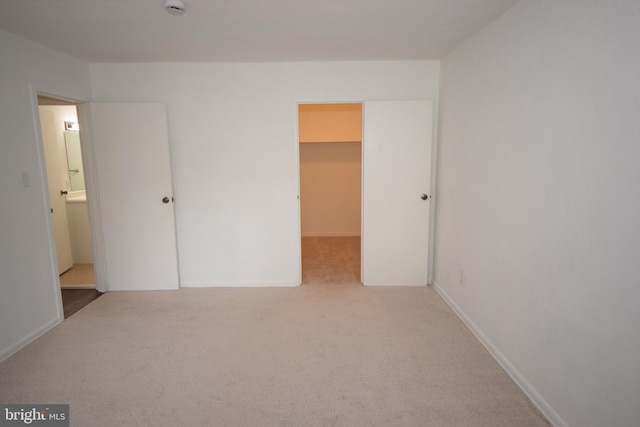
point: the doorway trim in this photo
(91, 186)
(332, 100)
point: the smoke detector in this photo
(174, 7)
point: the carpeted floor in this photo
(304, 356)
(331, 260)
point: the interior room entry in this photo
(330, 146)
(51, 126)
(67, 194)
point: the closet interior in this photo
(330, 138)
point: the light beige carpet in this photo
(331, 260)
(304, 356)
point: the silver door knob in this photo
(424, 196)
(166, 200)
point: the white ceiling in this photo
(250, 30)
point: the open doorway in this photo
(330, 147)
(68, 199)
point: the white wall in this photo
(80, 231)
(234, 149)
(58, 165)
(28, 292)
(538, 204)
(331, 188)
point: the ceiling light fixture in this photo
(174, 7)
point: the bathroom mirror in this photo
(74, 160)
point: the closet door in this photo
(396, 183)
(130, 149)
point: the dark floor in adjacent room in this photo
(75, 299)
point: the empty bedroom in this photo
(303, 213)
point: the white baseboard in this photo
(331, 234)
(526, 387)
(282, 284)
(14, 348)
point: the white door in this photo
(130, 148)
(396, 180)
(57, 176)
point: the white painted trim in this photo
(434, 175)
(362, 183)
(296, 180)
(526, 387)
(362, 168)
(93, 199)
(283, 284)
(332, 234)
(51, 241)
(14, 348)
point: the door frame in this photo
(433, 189)
(91, 186)
(333, 100)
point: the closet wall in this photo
(330, 169)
